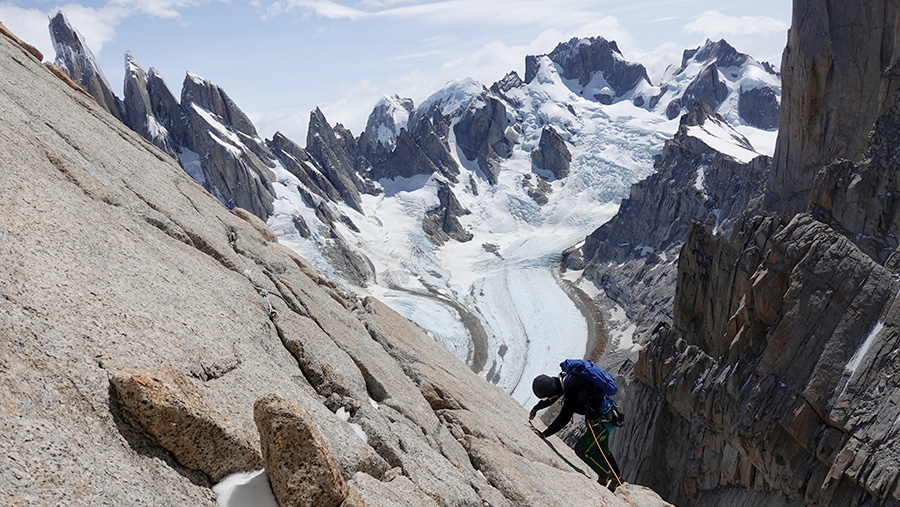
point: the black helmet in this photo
(545, 386)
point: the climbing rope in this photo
(591, 428)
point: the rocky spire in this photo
(77, 60)
(138, 107)
(835, 92)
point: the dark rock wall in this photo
(833, 85)
(778, 370)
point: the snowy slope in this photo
(496, 301)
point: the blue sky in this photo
(279, 59)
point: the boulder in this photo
(300, 467)
(170, 408)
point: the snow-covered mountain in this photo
(455, 212)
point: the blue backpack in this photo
(603, 382)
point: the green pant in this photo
(586, 448)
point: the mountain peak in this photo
(585, 59)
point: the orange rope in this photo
(591, 427)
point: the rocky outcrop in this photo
(860, 198)
(442, 223)
(123, 280)
(138, 108)
(335, 155)
(707, 87)
(388, 117)
(483, 135)
(423, 150)
(764, 324)
(300, 467)
(298, 162)
(170, 408)
(235, 162)
(759, 107)
(792, 319)
(77, 60)
(552, 154)
(583, 59)
(833, 93)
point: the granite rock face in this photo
(833, 93)
(138, 107)
(169, 407)
(124, 281)
(300, 467)
(776, 369)
(335, 155)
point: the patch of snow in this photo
(190, 161)
(345, 416)
(722, 139)
(857, 358)
(245, 489)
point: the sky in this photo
(280, 59)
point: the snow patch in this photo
(857, 358)
(245, 489)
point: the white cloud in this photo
(96, 25)
(715, 24)
(30, 25)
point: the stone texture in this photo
(301, 470)
(774, 332)
(170, 408)
(833, 85)
(114, 260)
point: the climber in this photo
(582, 396)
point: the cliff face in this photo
(833, 87)
(778, 372)
(155, 342)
